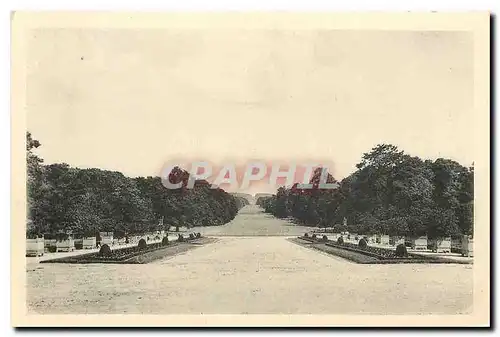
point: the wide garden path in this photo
(250, 274)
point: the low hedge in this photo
(357, 250)
(362, 256)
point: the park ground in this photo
(251, 269)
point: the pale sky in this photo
(130, 100)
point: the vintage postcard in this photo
(250, 169)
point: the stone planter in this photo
(67, 245)
(35, 247)
(396, 240)
(467, 246)
(440, 245)
(419, 243)
(89, 242)
(106, 238)
(79, 243)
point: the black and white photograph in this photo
(291, 167)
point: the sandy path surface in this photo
(252, 221)
(249, 275)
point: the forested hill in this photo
(64, 198)
(390, 193)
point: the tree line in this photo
(61, 198)
(390, 192)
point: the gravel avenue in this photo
(252, 269)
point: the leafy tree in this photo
(390, 192)
(86, 201)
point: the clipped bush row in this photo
(400, 252)
(124, 253)
(105, 250)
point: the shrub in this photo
(325, 238)
(164, 241)
(142, 244)
(401, 250)
(198, 235)
(191, 236)
(313, 236)
(362, 243)
(340, 240)
(105, 250)
(306, 235)
(52, 249)
(127, 240)
(180, 238)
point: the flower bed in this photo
(379, 253)
(375, 254)
(35, 247)
(308, 238)
(120, 255)
(67, 245)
